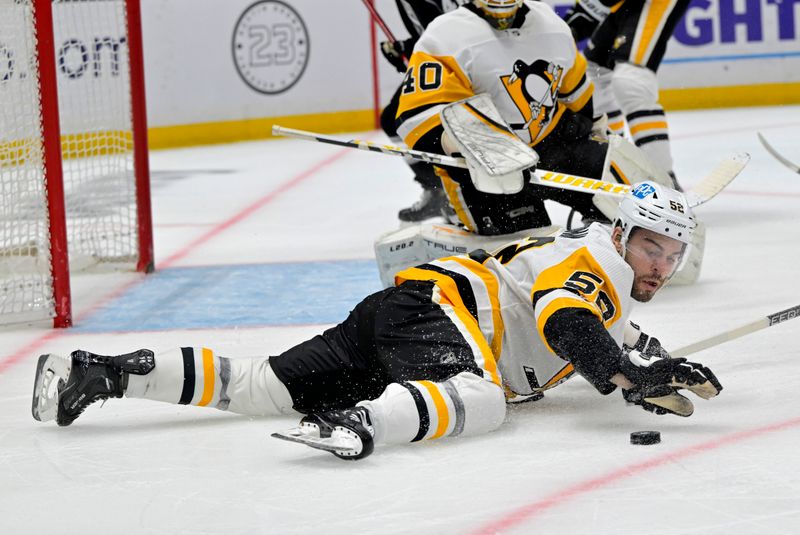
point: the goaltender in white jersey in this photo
(528, 65)
(460, 55)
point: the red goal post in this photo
(74, 174)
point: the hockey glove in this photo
(395, 53)
(648, 346)
(698, 379)
(660, 399)
(584, 17)
(646, 372)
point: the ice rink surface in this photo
(236, 217)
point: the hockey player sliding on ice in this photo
(523, 57)
(440, 353)
(416, 15)
(627, 42)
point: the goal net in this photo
(74, 85)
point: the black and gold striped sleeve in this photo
(576, 89)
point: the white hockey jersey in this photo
(511, 293)
(532, 73)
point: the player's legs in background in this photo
(633, 53)
(600, 69)
(433, 200)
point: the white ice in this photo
(561, 465)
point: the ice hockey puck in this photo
(645, 437)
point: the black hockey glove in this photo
(396, 53)
(648, 346)
(644, 371)
(658, 379)
(581, 22)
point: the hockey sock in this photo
(616, 122)
(197, 376)
(425, 410)
(649, 131)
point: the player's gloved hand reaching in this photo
(657, 379)
(395, 53)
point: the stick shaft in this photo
(539, 176)
(763, 323)
(720, 177)
(429, 157)
(379, 20)
(794, 167)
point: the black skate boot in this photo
(348, 433)
(65, 387)
(433, 203)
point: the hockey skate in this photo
(65, 386)
(433, 203)
(348, 433)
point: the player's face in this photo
(499, 13)
(654, 259)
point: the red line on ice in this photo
(525, 513)
(247, 212)
(33, 346)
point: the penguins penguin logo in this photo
(538, 87)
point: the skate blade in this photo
(51, 370)
(335, 444)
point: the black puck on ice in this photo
(645, 437)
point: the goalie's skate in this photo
(64, 387)
(348, 434)
(432, 203)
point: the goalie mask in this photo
(661, 210)
(499, 13)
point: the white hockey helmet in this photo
(499, 13)
(659, 209)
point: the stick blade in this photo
(718, 179)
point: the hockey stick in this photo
(763, 323)
(712, 184)
(428, 157)
(777, 155)
(376, 17)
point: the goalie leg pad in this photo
(418, 244)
